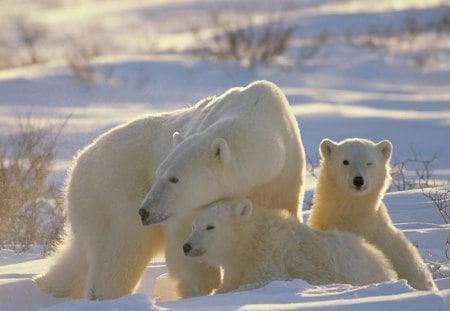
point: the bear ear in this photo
(385, 147)
(177, 138)
(326, 147)
(220, 150)
(244, 208)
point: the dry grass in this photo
(30, 35)
(79, 60)
(29, 210)
(440, 197)
(413, 172)
(418, 41)
(243, 40)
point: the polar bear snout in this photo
(358, 184)
(144, 215)
(187, 248)
(148, 217)
(190, 251)
(358, 181)
(151, 211)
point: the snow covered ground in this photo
(409, 211)
(396, 89)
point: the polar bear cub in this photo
(355, 174)
(257, 245)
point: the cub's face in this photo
(215, 232)
(210, 239)
(356, 165)
(193, 175)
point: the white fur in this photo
(256, 246)
(246, 140)
(339, 204)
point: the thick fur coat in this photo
(245, 141)
(257, 245)
(355, 174)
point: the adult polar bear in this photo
(108, 248)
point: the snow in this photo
(343, 91)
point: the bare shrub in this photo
(447, 247)
(29, 209)
(79, 60)
(30, 35)
(412, 173)
(312, 47)
(416, 173)
(312, 164)
(6, 60)
(440, 196)
(411, 32)
(243, 40)
(438, 270)
(443, 25)
(149, 42)
(371, 40)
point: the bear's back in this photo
(261, 99)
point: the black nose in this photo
(187, 248)
(358, 181)
(144, 214)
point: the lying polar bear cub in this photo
(257, 245)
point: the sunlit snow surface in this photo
(341, 92)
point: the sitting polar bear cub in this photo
(354, 177)
(257, 245)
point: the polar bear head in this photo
(230, 158)
(357, 165)
(201, 169)
(215, 231)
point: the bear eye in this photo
(210, 227)
(369, 163)
(345, 162)
(174, 180)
